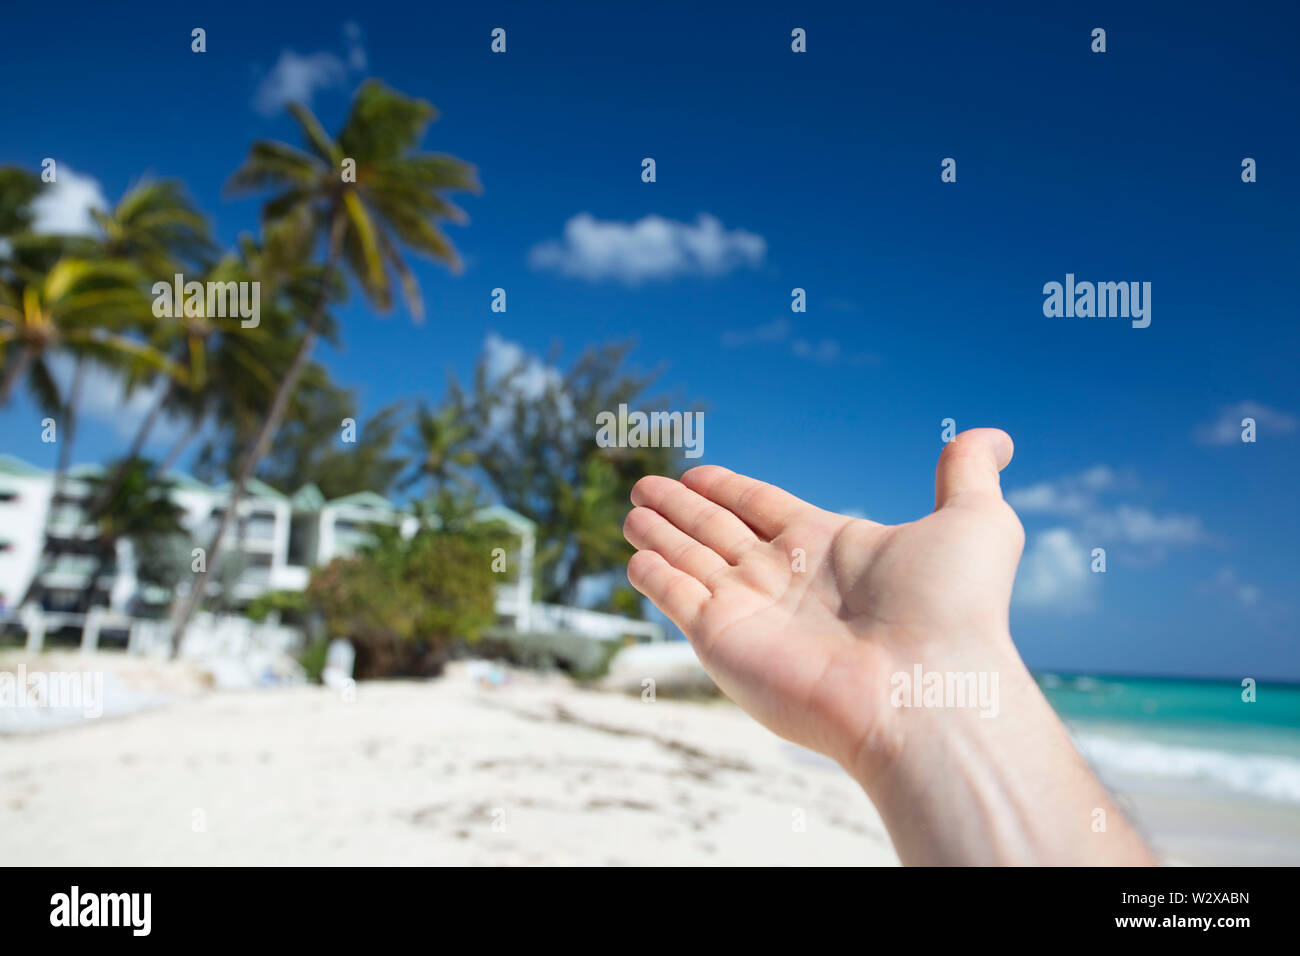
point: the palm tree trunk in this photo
(69, 427)
(14, 373)
(174, 452)
(137, 446)
(250, 463)
(262, 444)
(51, 549)
(96, 506)
(146, 427)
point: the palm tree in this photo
(585, 536)
(154, 226)
(225, 372)
(82, 308)
(158, 228)
(79, 307)
(392, 198)
(535, 450)
(140, 510)
(443, 446)
(307, 449)
(18, 188)
(246, 370)
(196, 343)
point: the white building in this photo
(272, 546)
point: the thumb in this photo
(969, 466)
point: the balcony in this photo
(74, 571)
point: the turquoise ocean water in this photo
(1188, 734)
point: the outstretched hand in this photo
(801, 615)
(805, 618)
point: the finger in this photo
(765, 508)
(674, 592)
(648, 530)
(710, 524)
(968, 468)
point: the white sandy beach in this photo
(535, 771)
(441, 772)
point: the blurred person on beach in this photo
(809, 620)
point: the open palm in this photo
(802, 615)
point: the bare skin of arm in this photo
(807, 644)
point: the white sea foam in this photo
(1271, 776)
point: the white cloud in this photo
(1228, 582)
(650, 248)
(508, 366)
(1142, 536)
(1139, 526)
(63, 206)
(1048, 498)
(1071, 495)
(1054, 572)
(1098, 478)
(774, 331)
(823, 352)
(356, 52)
(527, 374)
(1226, 428)
(102, 400)
(296, 77)
(1263, 607)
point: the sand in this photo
(533, 771)
(536, 771)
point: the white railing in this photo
(209, 637)
(594, 624)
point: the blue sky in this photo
(821, 171)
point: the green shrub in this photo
(312, 658)
(403, 602)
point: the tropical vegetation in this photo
(341, 213)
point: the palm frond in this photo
(274, 165)
(319, 140)
(383, 123)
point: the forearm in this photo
(962, 787)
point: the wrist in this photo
(978, 769)
(956, 767)
(935, 695)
